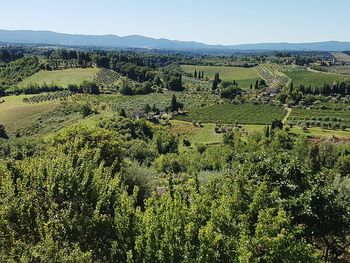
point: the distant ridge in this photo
(135, 41)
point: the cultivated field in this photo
(107, 79)
(232, 114)
(338, 116)
(244, 76)
(313, 79)
(61, 77)
(273, 75)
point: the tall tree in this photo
(257, 84)
(174, 105)
(3, 133)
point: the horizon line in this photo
(171, 39)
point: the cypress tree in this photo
(267, 131)
(3, 133)
(217, 77)
(257, 84)
(174, 106)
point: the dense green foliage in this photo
(88, 197)
(15, 71)
(10, 54)
(90, 177)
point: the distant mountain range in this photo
(135, 41)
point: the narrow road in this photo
(289, 111)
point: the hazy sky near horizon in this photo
(208, 21)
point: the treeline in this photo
(85, 87)
(141, 68)
(152, 60)
(134, 72)
(231, 89)
(124, 192)
(305, 60)
(128, 88)
(197, 75)
(138, 67)
(341, 87)
(307, 94)
(63, 59)
(33, 88)
(10, 54)
(132, 67)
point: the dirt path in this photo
(289, 111)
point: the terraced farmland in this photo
(52, 96)
(273, 75)
(107, 79)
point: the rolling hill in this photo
(136, 41)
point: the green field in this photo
(313, 79)
(231, 114)
(93, 120)
(61, 77)
(203, 135)
(14, 114)
(244, 76)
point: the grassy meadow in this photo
(15, 114)
(61, 77)
(244, 76)
(204, 135)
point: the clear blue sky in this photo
(209, 21)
